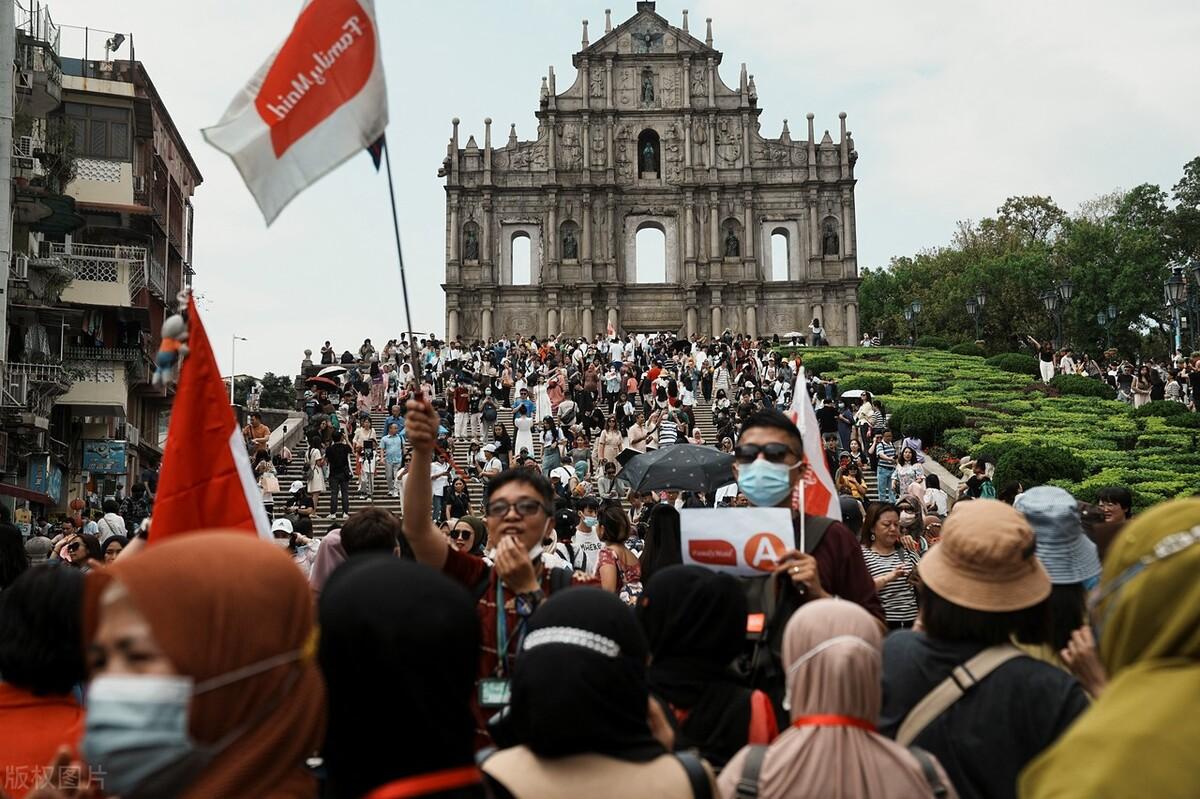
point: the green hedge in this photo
(873, 384)
(933, 342)
(1162, 408)
(926, 420)
(820, 364)
(968, 348)
(1190, 421)
(1080, 386)
(1015, 362)
(1033, 465)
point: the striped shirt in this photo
(898, 597)
(885, 451)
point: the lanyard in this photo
(833, 720)
(425, 784)
(501, 630)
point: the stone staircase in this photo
(322, 524)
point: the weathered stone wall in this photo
(650, 135)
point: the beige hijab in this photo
(832, 649)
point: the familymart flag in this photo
(318, 100)
(816, 494)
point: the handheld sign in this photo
(746, 542)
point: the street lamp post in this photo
(1056, 299)
(910, 315)
(233, 363)
(973, 312)
(1175, 290)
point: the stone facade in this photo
(649, 135)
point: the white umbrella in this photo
(330, 371)
(853, 393)
(793, 334)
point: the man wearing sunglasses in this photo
(768, 464)
(519, 510)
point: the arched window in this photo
(649, 152)
(521, 259)
(651, 254)
(779, 254)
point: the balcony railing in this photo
(104, 354)
(41, 373)
(101, 263)
(157, 278)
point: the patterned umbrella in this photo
(680, 467)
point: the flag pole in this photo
(803, 477)
(412, 344)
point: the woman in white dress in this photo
(523, 423)
(316, 470)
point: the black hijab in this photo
(695, 621)
(579, 685)
(399, 651)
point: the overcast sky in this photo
(954, 106)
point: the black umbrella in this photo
(680, 467)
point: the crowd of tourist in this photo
(527, 626)
(1174, 380)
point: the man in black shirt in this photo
(827, 417)
(337, 455)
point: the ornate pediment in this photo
(646, 33)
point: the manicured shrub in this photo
(1032, 465)
(1188, 421)
(968, 348)
(933, 342)
(1162, 408)
(873, 384)
(926, 420)
(1080, 386)
(820, 364)
(1015, 362)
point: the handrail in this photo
(287, 434)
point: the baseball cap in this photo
(986, 560)
(295, 486)
(282, 526)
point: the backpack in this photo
(987, 490)
(489, 413)
(768, 610)
(748, 782)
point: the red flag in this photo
(206, 480)
(820, 494)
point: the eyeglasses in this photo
(460, 535)
(775, 452)
(73, 546)
(524, 507)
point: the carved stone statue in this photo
(470, 244)
(647, 88)
(733, 247)
(649, 158)
(829, 242)
(570, 246)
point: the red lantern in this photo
(77, 505)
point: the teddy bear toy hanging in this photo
(171, 352)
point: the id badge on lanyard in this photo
(496, 692)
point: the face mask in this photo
(137, 729)
(282, 543)
(907, 517)
(590, 522)
(764, 483)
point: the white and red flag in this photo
(316, 102)
(206, 481)
(816, 494)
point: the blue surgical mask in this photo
(591, 521)
(764, 483)
(137, 728)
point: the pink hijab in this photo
(330, 555)
(832, 649)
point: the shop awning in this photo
(27, 494)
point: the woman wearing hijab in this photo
(695, 621)
(387, 623)
(580, 720)
(192, 693)
(1138, 738)
(832, 650)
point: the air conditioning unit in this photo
(25, 81)
(21, 267)
(23, 146)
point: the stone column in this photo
(455, 233)
(486, 329)
(691, 321)
(552, 236)
(610, 252)
(687, 81)
(585, 131)
(587, 321)
(716, 313)
(814, 228)
(749, 253)
(689, 238)
(552, 322)
(751, 319)
(608, 83)
(485, 241)
(613, 320)
(714, 228)
(847, 242)
(687, 141)
(585, 248)
(852, 334)
(452, 324)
